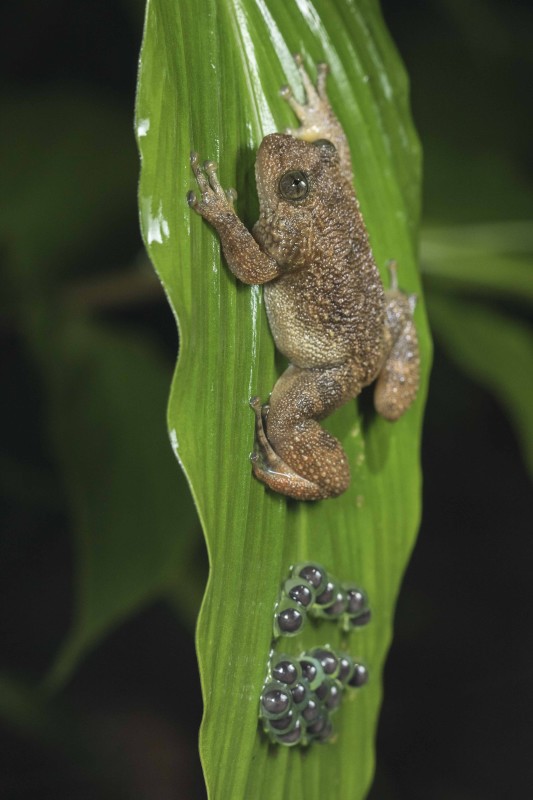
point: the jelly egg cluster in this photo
(310, 590)
(302, 692)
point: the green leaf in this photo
(493, 349)
(132, 515)
(209, 79)
(491, 258)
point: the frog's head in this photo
(294, 172)
(296, 182)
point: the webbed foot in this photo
(271, 470)
(215, 200)
(316, 115)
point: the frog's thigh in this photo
(298, 400)
(398, 380)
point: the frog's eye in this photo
(294, 185)
(325, 145)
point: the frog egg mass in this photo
(301, 692)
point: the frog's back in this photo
(327, 306)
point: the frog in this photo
(328, 310)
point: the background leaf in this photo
(209, 79)
(489, 259)
(495, 350)
(133, 515)
(67, 182)
(105, 391)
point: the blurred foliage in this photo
(496, 350)
(85, 327)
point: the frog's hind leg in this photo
(398, 379)
(269, 468)
(295, 455)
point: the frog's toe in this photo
(392, 266)
(268, 455)
(310, 90)
(265, 408)
(322, 74)
(231, 196)
(192, 200)
(210, 168)
(298, 108)
(201, 180)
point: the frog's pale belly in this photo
(322, 319)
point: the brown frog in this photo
(326, 305)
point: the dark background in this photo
(457, 717)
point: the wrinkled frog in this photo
(328, 311)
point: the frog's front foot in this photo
(316, 110)
(315, 115)
(270, 469)
(215, 202)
